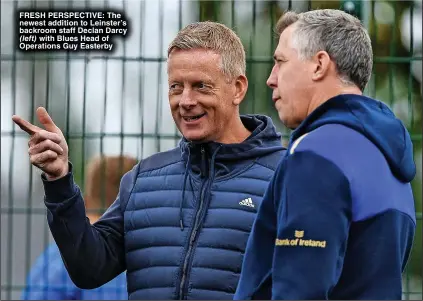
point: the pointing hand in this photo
(48, 149)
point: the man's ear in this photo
(322, 65)
(241, 86)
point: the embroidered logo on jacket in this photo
(247, 202)
(299, 241)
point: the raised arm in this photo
(93, 254)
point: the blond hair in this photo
(103, 176)
(215, 37)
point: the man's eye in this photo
(175, 89)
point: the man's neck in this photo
(235, 132)
(324, 95)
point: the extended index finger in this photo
(25, 125)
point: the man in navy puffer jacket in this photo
(181, 221)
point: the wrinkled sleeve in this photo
(93, 254)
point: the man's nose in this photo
(187, 100)
(272, 81)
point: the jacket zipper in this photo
(193, 233)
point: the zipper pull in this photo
(203, 162)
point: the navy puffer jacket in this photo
(180, 223)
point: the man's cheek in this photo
(281, 80)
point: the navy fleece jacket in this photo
(338, 218)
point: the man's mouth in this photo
(275, 99)
(193, 117)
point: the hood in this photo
(375, 121)
(199, 157)
(264, 139)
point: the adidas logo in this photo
(247, 202)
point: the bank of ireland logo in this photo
(299, 234)
(299, 241)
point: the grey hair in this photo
(215, 37)
(338, 33)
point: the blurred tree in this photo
(209, 10)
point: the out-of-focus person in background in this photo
(48, 278)
(181, 220)
(338, 219)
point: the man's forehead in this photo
(279, 51)
(284, 42)
(284, 38)
(194, 65)
(192, 72)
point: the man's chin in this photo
(287, 122)
(195, 138)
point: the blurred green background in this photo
(117, 103)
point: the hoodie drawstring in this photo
(187, 168)
(212, 173)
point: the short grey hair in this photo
(338, 33)
(215, 37)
